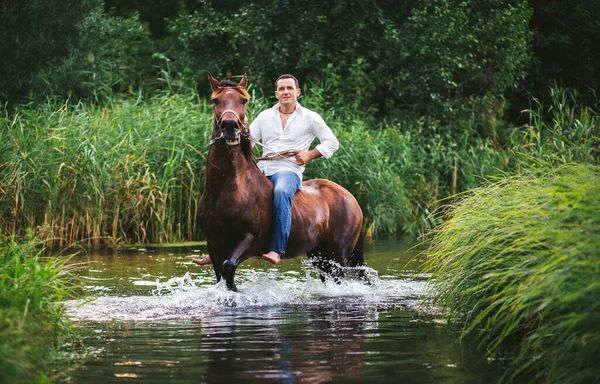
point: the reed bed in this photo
(32, 322)
(560, 131)
(517, 262)
(132, 170)
(128, 171)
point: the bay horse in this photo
(235, 210)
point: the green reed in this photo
(32, 322)
(518, 260)
(560, 131)
(124, 171)
(132, 170)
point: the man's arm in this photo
(328, 142)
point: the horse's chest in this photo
(232, 213)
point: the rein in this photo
(279, 155)
(274, 155)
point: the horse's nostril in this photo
(229, 125)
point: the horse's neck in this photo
(226, 166)
(223, 161)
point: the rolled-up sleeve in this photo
(328, 142)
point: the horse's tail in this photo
(357, 258)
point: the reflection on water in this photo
(158, 318)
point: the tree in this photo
(33, 33)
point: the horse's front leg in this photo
(214, 260)
(231, 264)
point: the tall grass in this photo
(32, 322)
(518, 260)
(559, 132)
(132, 170)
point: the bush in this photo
(33, 34)
(109, 54)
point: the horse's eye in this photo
(215, 101)
(244, 101)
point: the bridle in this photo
(241, 130)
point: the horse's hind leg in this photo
(357, 259)
(231, 264)
(319, 258)
(328, 262)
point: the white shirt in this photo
(301, 128)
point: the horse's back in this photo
(331, 194)
(323, 212)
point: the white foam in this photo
(187, 297)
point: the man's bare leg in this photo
(272, 257)
(203, 261)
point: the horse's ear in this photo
(214, 83)
(244, 82)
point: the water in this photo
(154, 317)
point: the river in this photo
(151, 316)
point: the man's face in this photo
(286, 92)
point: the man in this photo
(287, 126)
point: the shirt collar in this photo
(299, 108)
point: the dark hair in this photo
(287, 76)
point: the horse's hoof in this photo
(228, 273)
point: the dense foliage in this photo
(566, 37)
(518, 260)
(436, 58)
(33, 35)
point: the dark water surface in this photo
(154, 317)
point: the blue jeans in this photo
(285, 185)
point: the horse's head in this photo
(229, 110)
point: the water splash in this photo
(189, 297)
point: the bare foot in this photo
(203, 261)
(272, 257)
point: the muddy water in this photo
(154, 317)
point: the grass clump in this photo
(32, 322)
(518, 259)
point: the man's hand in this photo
(304, 157)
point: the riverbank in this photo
(518, 260)
(33, 325)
